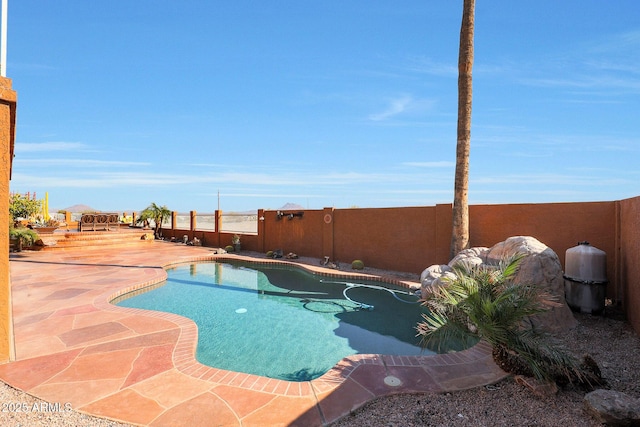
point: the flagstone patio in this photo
(135, 366)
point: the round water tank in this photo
(585, 278)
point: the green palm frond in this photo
(484, 302)
(437, 331)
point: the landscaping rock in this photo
(540, 266)
(471, 257)
(613, 408)
(432, 276)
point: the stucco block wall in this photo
(390, 238)
(302, 236)
(558, 225)
(7, 134)
(630, 259)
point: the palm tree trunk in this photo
(460, 232)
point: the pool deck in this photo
(138, 367)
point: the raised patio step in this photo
(61, 239)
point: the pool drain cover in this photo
(392, 381)
(241, 310)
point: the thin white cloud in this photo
(171, 180)
(611, 65)
(32, 66)
(429, 66)
(269, 195)
(420, 191)
(528, 154)
(395, 107)
(607, 67)
(78, 163)
(626, 44)
(32, 147)
(404, 106)
(552, 179)
(627, 85)
(439, 164)
(100, 178)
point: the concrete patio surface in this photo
(135, 366)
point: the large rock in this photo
(613, 408)
(540, 266)
(471, 257)
(432, 276)
(438, 274)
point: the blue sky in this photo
(321, 103)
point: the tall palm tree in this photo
(460, 231)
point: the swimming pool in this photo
(283, 322)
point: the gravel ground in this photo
(608, 339)
(611, 342)
(23, 410)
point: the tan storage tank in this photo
(585, 277)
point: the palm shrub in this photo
(484, 302)
(157, 214)
(26, 236)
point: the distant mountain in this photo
(291, 206)
(79, 209)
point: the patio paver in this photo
(138, 366)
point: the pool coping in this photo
(184, 354)
(351, 383)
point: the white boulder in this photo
(540, 266)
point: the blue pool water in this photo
(281, 322)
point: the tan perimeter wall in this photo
(558, 225)
(413, 238)
(630, 259)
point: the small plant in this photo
(157, 214)
(357, 265)
(229, 248)
(126, 219)
(269, 254)
(25, 236)
(50, 223)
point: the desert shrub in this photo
(357, 265)
(26, 235)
